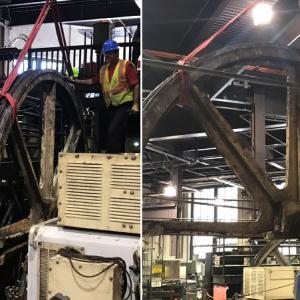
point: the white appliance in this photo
(49, 273)
(99, 191)
(269, 282)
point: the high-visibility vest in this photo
(117, 91)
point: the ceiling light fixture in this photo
(170, 191)
(262, 14)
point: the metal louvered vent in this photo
(45, 255)
(254, 282)
(99, 191)
(84, 190)
(246, 284)
(125, 206)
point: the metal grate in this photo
(125, 207)
(125, 210)
(45, 255)
(84, 190)
(254, 282)
(125, 176)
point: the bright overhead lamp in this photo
(139, 3)
(262, 14)
(170, 191)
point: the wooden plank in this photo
(22, 226)
(48, 143)
(70, 147)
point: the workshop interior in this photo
(69, 203)
(221, 134)
(149, 149)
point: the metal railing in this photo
(86, 58)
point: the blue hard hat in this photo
(110, 45)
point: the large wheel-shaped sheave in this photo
(279, 209)
(49, 120)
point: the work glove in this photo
(135, 108)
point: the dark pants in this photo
(118, 122)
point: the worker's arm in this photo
(132, 79)
(90, 81)
(81, 81)
(136, 98)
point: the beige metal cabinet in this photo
(99, 191)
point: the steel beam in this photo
(221, 74)
(258, 136)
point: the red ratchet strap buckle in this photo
(12, 101)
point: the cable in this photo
(130, 287)
(90, 276)
(73, 255)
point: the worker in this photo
(120, 88)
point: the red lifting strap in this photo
(184, 79)
(14, 73)
(61, 38)
(207, 42)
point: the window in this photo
(214, 198)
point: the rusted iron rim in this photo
(24, 84)
(165, 94)
(27, 82)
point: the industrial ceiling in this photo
(178, 27)
(18, 12)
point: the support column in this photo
(258, 127)
(177, 180)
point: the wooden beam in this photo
(48, 143)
